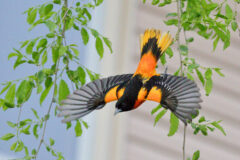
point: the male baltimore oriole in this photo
(176, 93)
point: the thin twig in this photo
(18, 121)
(184, 140)
(178, 33)
(54, 89)
(48, 112)
(179, 13)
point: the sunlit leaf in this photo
(78, 129)
(196, 155)
(174, 122)
(7, 136)
(99, 47)
(63, 91)
(81, 75)
(159, 116)
(216, 124)
(108, 43)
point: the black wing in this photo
(176, 93)
(90, 97)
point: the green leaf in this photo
(26, 130)
(196, 155)
(171, 22)
(159, 116)
(51, 141)
(57, 1)
(81, 75)
(45, 93)
(50, 35)
(163, 59)
(94, 33)
(55, 54)
(50, 25)
(208, 74)
(108, 43)
(189, 40)
(99, 47)
(155, 2)
(218, 70)
(42, 43)
(234, 25)
(24, 43)
(189, 76)
(173, 14)
(174, 122)
(44, 58)
(229, 12)
(32, 14)
(208, 86)
(6, 87)
(78, 129)
(216, 124)
(24, 91)
(169, 52)
(8, 136)
(10, 95)
(76, 51)
(11, 124)
(200, 76)
(144, 1)
(34, 152)
(85, 36)
(63, 91)
(209, 83)
(48, 8)
(215, 42)
(98, 2)
(201, 119)
(156, 109)
(183, 50)
(29, 48)
(62, 51)
(13, 146)
(12, 55)
(35, 113)
(85, 124)
(20, 147)
(69, 124)
(35, 132)
(91, 76)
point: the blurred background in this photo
(129, 136)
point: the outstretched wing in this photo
(176, 93)
(91, 96)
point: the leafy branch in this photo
(51, 55)
(212, 21)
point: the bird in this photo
(177, 93)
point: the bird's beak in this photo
(117, 111)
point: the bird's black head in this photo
(122, 107)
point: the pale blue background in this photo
(13, 29)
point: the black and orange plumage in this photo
(176, 93)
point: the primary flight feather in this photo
(176, 93)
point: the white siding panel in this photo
(145, 142)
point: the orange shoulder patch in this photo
(155, 94)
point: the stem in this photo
(178, 32)
(54, 83)
(184, 140)
(179, 13)
(18, 121)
